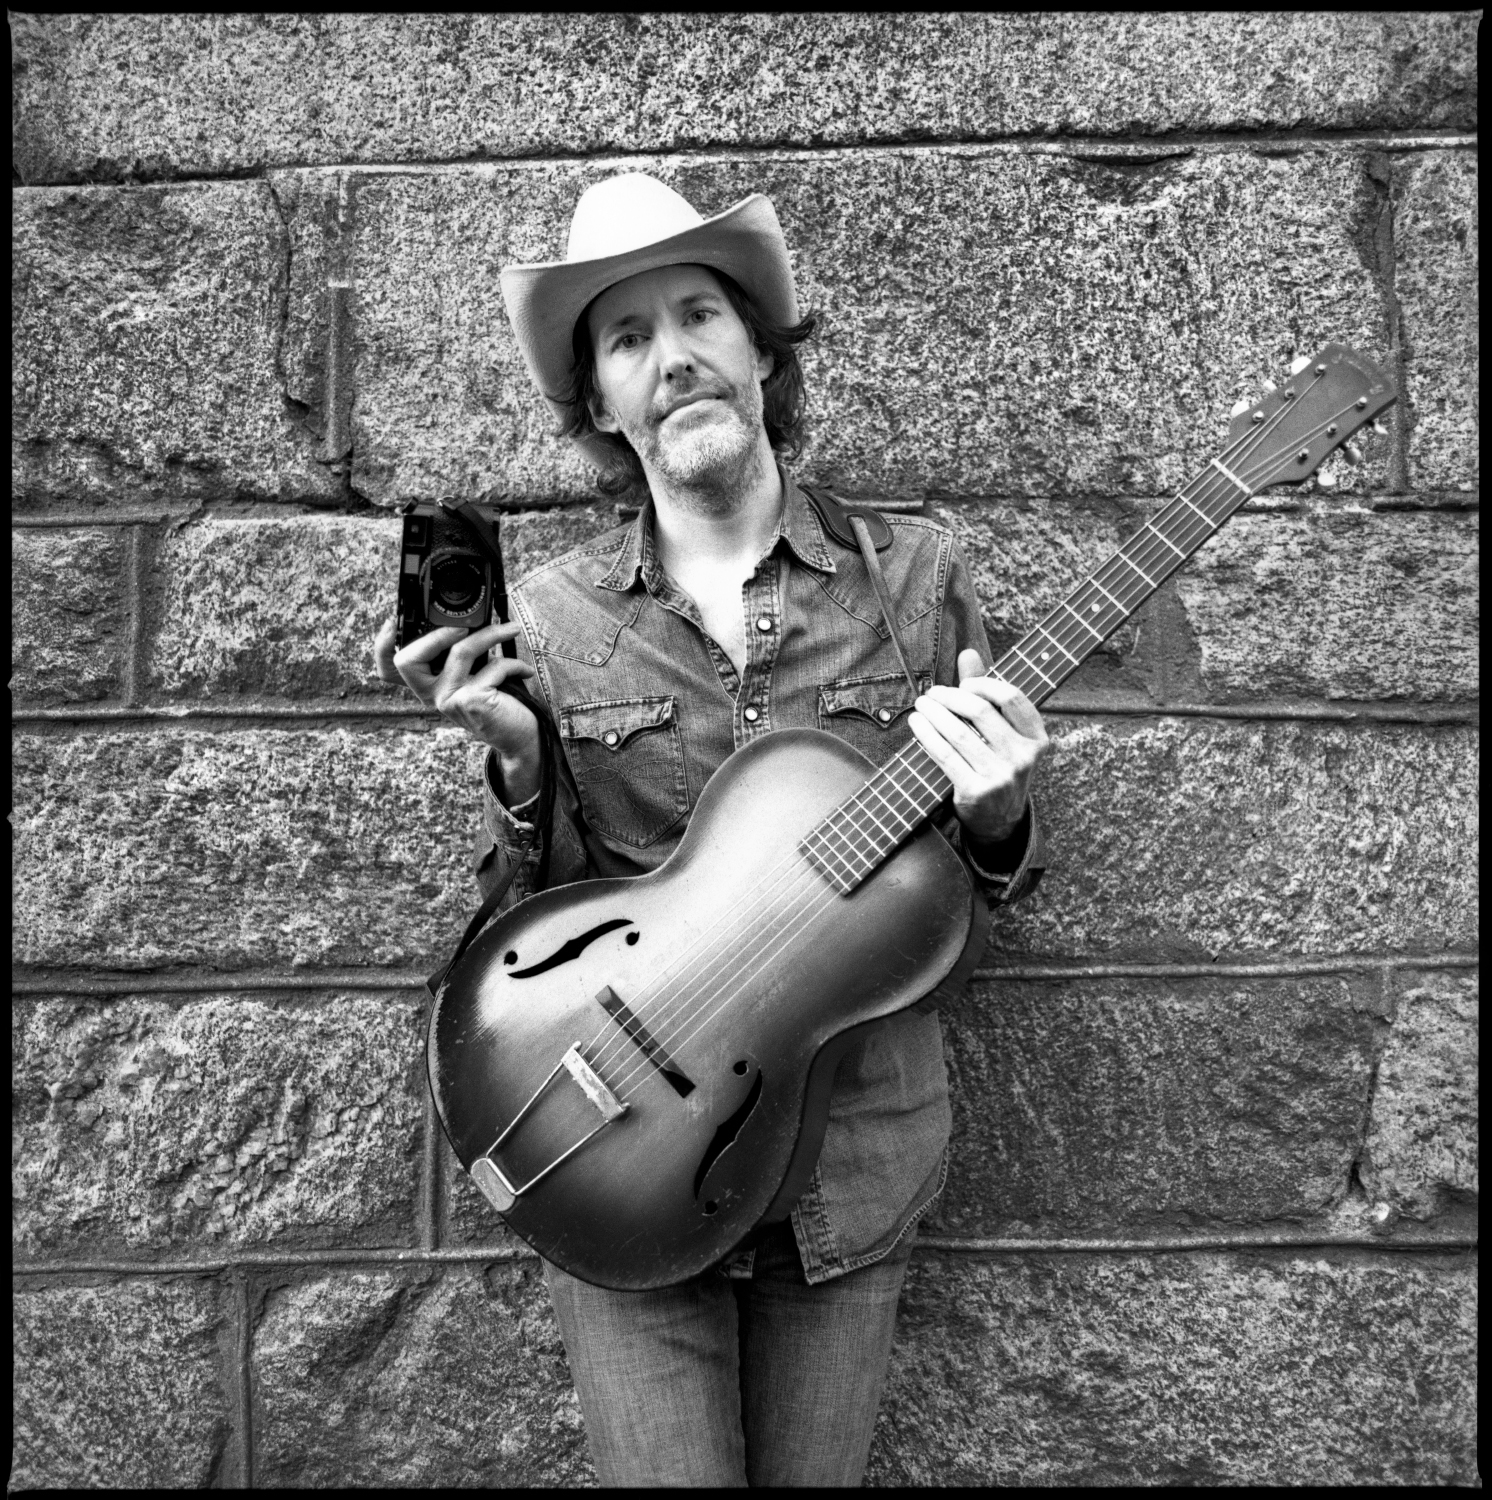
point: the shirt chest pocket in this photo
(627, 758)
(869, 712)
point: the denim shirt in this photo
(648, 706)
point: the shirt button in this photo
(610, 737)
(751, 716)
(884, 715)
(764, 624)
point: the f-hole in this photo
(727, 1133)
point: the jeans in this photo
(767, 1381)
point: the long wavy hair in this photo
(783, 400)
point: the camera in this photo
(450, 572)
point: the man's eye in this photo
(702, 313)
(627, 341)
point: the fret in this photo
(1096, 634)
(1229, 475)
(870, 813)
(1107, 595)
(1052, 641)
(1172, 545)
(1031, 666)
(1195, 510)
(852, 852)
(932, 787)
(1134, 567)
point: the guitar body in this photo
(711, 1000)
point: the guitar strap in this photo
(861, 526)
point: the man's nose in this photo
(675, 357)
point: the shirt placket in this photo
(761, 598)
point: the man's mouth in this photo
(687, 402)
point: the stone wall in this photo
(1211, 1216)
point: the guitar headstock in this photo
(1291, 430)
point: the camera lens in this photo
(456, 584)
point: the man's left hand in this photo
(987, 737)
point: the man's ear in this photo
(602, 417)
(765, 364)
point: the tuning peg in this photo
(1327, 481)
(1352, 453)
(1239, 408)
(1270, 387)
(1299, 363)
(1379, 428)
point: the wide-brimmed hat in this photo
(621, 227)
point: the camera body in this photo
(446, 575)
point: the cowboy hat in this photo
(621, 227)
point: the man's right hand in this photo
(474, 700)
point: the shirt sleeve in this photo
(506, 835)
(1008, 871)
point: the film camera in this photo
(450, 572)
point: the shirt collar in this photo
(799, 527)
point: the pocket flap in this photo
(882, 700)
(612, 724)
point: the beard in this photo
(707, 453)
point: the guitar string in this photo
(1209, 526)
(1250, 439)
(704, 1020)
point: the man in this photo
(667, 343)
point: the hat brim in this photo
(544, 301)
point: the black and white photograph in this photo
(744, 749)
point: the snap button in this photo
(884, 715)
(610, 737)
(751, 716)
(764, 624)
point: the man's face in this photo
(678, 375)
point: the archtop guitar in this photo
(636, 1073)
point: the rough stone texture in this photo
(289, 608)
(1436, 283)
(146, 329)
(1336, 604)
(274, 608)
(1110, 1105)
(1191, 837)
(398, 1380)
(1184, 1370)
(993, 323)
(1050, 251)
(145, 1126)
(213, 94)
(69, 615)
(1421, 1151)
(118, 1386)
(1168, 838)
(244, 849)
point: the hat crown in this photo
(625, 213)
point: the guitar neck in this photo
(863, 831)
(1283, 435)
(1045, 657)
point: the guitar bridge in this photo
(493, 1181)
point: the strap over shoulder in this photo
(865, 531)
(836, 517)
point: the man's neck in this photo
(718, 528)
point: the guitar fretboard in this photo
(864, 830)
